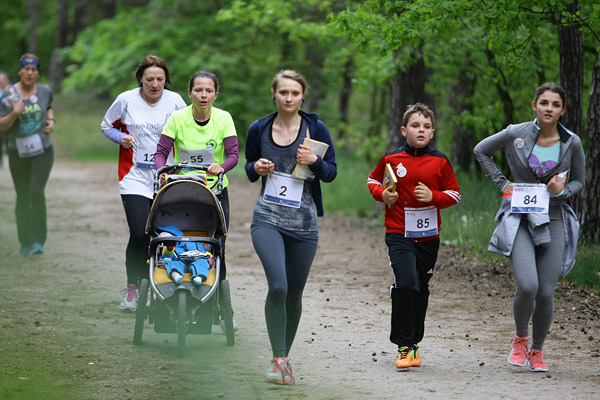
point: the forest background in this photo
(477, 63)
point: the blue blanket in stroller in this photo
(175, 259)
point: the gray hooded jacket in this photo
(518, 141)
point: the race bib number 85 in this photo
(420, 222)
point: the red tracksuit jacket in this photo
(411, 166)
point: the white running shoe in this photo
(130, 297)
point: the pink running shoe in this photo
(518, 354)
(280, 372)
(536, 361)
(130, 296)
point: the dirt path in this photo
(62, 337)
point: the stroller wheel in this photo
(141, 312)
(182, 322)
(226, 311)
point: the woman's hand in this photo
(18, 106)
(389, 197)
(264, 167)
(215, 169)
(127, 141)
(49, 128)
(508, 189)
(305, 155)
(423, 193)
(554, 186)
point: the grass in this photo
(468, 224)
(78, 133)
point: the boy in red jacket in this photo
(425, 184)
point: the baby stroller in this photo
(185, 201)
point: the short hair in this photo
(152, 61)
(289, 74)
(205, 74)
(553, 87)
(418, 108)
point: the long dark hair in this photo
(553, 87)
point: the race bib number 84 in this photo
(530, 198)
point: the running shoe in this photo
(414, 354)
(536, 361)
(518, 354)
(280, 372)
(404, 359)
(25, 251)
(37, 248)
(235, 326)
(130, 296)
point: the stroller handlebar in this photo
(180, 166)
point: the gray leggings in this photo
(536, 270)
(286, 261)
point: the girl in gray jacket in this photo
(536, 226)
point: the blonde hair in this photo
(289, 74)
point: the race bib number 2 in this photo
(283, 190)
(530, 198)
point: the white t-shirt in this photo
(132, 115)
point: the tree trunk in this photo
(463, 138)
(507, 103)
(408, 88)
(571, 71)
(56, 70)
(588, 208)
(34, 9)
(345, 96)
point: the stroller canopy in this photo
(190, 206)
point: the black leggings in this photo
(30, 176)
(286, 261)
(137, 209)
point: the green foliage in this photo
(587, 267)
(77, 131)
(349, 193)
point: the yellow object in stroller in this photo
(187, 202)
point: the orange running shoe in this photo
(414, 354)
(404, 359)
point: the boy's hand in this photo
(422, 193)
(389, 197)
